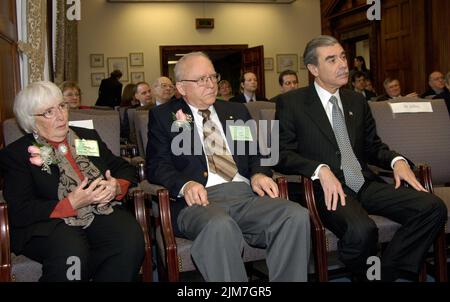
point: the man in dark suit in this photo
(436, 84)
(249, 85)
(328, 133)
(110, 90)
(288, 81)
(221, 197)
(359, 85)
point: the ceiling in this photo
(207, 1)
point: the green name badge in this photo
(86, 147)
(241, 133)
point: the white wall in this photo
(116, 29)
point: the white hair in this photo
(35, 96)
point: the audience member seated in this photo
(128, 99)
(359, 64)
(436, 85)
(288, 81)
(318, 141)
(220, 200)
(359, 85)
(143, 94)
(446, 93)
(110, 90)
(72, 94)
(225, 91)
(249, 85)
(393, 90)
(369, 86)
(64, 189)
(163, 90)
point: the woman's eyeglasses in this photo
(51, 112)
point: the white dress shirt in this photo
(213, 178)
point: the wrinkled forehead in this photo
(48, 101)
(198, 66)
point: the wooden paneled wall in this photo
(411, 40)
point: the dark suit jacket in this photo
(446, 96)
(109, 93)
(307, 138)
(431, 92)
(32, 194)
(369, 94)
(241, 99)
(173, 171)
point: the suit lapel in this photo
(349, 119)
(318, 115)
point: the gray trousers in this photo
(234, 214)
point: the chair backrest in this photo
(131, 113)
(422, 137)
(254, 108)
(106, 123)
(141, 126)
(11, 131)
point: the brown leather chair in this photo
(21, 268)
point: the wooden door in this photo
(253, 60)
(9, 64)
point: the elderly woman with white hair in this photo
(64, 189)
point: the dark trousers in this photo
(110, 249)
(421, 215)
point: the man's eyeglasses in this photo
(203, 81)
(51, 112)
(288, 83)
(165, 86)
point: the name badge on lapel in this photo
(87, 147)
(241, 133)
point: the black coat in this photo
(32, 194)
(109, 93)
(307, 138)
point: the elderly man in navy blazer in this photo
(221, 199)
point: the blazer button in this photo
(205, 174)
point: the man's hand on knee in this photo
(332, 188)
(195, 193)
(262, 184)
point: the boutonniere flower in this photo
(182, 119)
(42, 156)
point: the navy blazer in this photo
(173, 171)
(307, 138)
(32, 194)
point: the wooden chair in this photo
(173, 252)
(21, 268)
(325, 242)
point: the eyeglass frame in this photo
(205, 79)
(65, 108)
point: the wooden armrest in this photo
(142, 216)
(5, 249)
(167, 230)
(283, 187)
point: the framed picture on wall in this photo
(137, 77)
(268, 63)
(96, 78)
(136, 59)
(120, 63)
(287, 61)
(97, 60)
